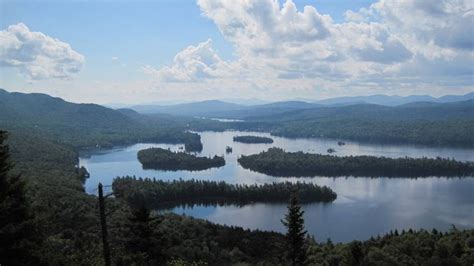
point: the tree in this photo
(18, 237)
(295, 236)
(143, 243)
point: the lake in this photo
(365, 206)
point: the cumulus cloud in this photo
(446, 23)
(194, 63)
(388, 45)
(37, 55)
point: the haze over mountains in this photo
(227, 109)
(425, 122)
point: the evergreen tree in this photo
(18, 237)
(295, 236)
(143, 244)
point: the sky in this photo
(155, 51)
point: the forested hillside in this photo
(64, 227)
(87, 125)
(440, 124)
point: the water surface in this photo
(365, 206)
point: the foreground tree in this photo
(18, 237)
(295, 235)
(143, 244)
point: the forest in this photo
(163, 159)
(277, 162)
(253, 139)
(58, 223)
(89, 126)
(66, 228)
(154, 193)
(448, 124)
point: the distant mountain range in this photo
(395, 100)
(223, 109)
(442, 121)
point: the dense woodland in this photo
(52, 221)
(162, 159)
(448, 124)
(277, 162)
(253, 139)
(88, 126)
(154, 193)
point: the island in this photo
(162, 159)
(253, 139)
(279, 163)
(156, 194)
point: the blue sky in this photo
(128, 50)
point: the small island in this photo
(279, 163)
(155, 194)
(253, 139)
(162, 159)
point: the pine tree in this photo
(295, 236)
(143, 243)
(18, 237)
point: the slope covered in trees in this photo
(446, 124)
(67, 218)
(162, 159)
(277, 162)
(87, 125)
(70, 226)
(158, 193)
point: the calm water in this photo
(364, 206)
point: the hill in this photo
(190, 109)
(85, 125)
(440, 124)
(393, 100)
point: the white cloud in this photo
(192, 64)
(37, 55)
(388, 47)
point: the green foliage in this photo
(56, 222)
(142, 243)
(19, 239)
(162, 159)
(448, 124)
(159, 194)
(252, 139)
(407, 248)
(88, 125)
(295, 235)
(277, 162)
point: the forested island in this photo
(253, 139)
(277, 162)
(158, 193)
(162, 159)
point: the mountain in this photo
(456, 98)
(203, 108)
(42, 109)
(394, 99)
(84, 125)
(411, 111)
